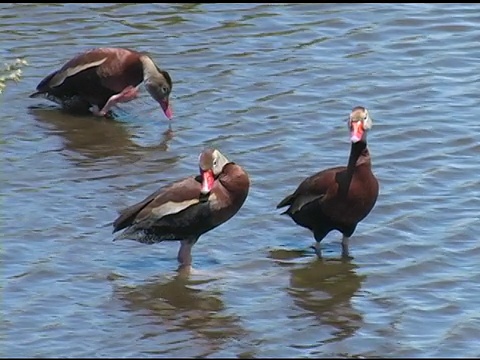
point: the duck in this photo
(340, 197)
(187, 208)
(95, 80)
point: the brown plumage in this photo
(97, 79)
(338, 198)
(188, 208)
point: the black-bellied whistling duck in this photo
(338, 198)
(97, 79)
(188, 208)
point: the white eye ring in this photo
(214, 162)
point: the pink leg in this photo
(128, 94)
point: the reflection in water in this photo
(324, 288)
(93, 137)
(179, 304)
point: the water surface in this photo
(271, 86)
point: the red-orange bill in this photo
(207, 181)
(167, 109)
(356, 133)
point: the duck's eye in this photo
(215, 162)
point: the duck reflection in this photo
(324, 288)
(92, 137)
(183, 304)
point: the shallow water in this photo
(271, 86)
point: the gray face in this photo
(360, 114)
(159, 89)
(211, 163)
(359, 123)
(212, 159)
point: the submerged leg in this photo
(95, 110)
(319, 235)
(318, 249)
(128, 94)
(184, 256)
(345, 250)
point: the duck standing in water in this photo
(338, 198)
(186, 209)
(96, 80)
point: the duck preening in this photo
(338, 198)
(188, 208)
(97, 79)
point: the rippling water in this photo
(271, 86)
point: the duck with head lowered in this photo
(97, 79)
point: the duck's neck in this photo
(358, 155)
(150, 70)
(357, 151)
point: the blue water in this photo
(271, 86)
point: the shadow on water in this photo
(92, 137)
(324, 288)
(183, 304)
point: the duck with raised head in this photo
(338, 198)
(97, 79)
(188, 208)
